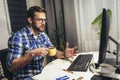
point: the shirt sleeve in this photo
(14, 49)
(47, 40)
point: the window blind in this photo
(18, 14)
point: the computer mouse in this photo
(117, 70)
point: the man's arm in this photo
(59, 54)
(19, 63)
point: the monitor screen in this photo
(104, 36)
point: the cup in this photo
(52, 51)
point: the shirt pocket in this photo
(28, 47)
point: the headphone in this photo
(100, 68)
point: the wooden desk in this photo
(55, 70)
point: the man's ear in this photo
(29, 20)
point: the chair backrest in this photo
(3, 54)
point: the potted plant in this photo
(57, 38)
(98, 20)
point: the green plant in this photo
(98, 19)
(60, 40)
(57, 38)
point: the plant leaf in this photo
(97, 19)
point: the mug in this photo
(52, 51)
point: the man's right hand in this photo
(39, 51)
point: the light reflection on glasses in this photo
(40, 20)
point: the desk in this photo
(55, 70)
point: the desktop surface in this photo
(58, 69)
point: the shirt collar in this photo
(31, 34)
(28, 31)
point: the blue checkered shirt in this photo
(19, 43)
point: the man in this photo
(28, 46)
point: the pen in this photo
(80, 78)
(68, 71)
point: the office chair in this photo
(7, 73)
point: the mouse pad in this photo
(99, 77)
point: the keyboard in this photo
(100, 77)
(81, 63)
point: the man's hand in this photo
(40, 51)
(70, 52)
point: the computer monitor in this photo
(104, 36)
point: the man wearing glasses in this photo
(28, 46)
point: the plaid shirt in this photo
(19, 43)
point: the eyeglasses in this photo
(40, 20)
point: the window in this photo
(17, 10)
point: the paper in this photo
(55, 70)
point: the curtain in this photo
(55, 23)
(86, 11)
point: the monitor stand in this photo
(117, 61)
(111, 59)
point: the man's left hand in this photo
(70, 52)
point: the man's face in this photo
(39, 20)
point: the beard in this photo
(39, 29)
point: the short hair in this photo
(33, 9)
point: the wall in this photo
(33, 3)
(4, 25)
